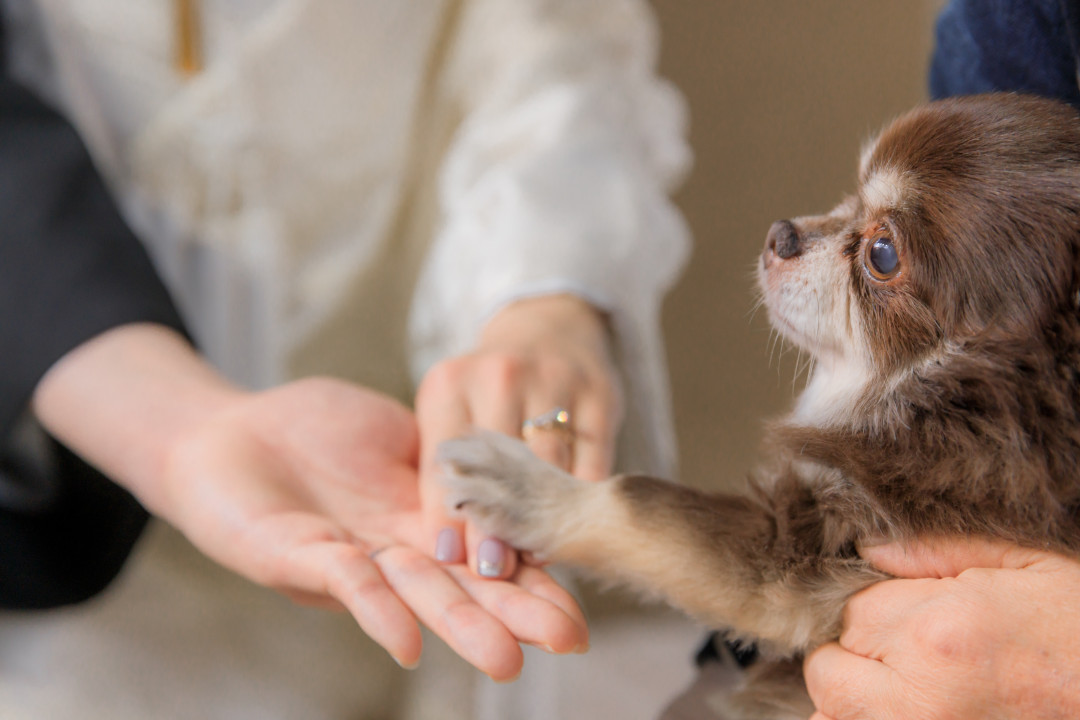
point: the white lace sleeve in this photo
(558, 181)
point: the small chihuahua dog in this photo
(940, 304)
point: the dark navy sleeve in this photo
(70, 269)
(1006, 45)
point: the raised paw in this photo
(508, 492)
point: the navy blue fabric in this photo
(1006, 45)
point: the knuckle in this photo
(349, 576)
(442, 379)
(504, 370)
(588, 377)
(951, 635)
(559, 368)
(463, 614)
(407, 563)
(359, 590)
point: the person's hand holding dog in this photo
(971, 629)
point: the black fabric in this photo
(69, 270)
(72, 548)
(744, 655)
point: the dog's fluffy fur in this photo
(944, 396)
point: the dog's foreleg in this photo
(753, 565)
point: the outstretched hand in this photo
(310, 488)
(972, 629)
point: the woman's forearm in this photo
(121, 399)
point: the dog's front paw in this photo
(508, 492)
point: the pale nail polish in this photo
(449, 547)
(490, 557)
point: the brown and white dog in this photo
(940, 303)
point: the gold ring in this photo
(556, 419)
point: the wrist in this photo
(123, 399)
(565, 317)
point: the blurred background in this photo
(782, 95)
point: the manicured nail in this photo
(490, 557)
(449, 547)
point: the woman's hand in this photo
(310, 488)
(535, 355)
(974, 629)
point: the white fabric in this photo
(354, 187)
(270, 182)
(560, 172)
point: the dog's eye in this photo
(882, 260)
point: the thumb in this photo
(946, 556)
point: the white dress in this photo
(350, 187)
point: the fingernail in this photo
(490, 557)
(449, 547)
(581, 649)
(407, 666)
(545, 647)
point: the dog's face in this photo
(966, 219)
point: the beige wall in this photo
(782, 94)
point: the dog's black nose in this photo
(783, 239)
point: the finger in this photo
(441, 413)
(489, 557)
(527, 612)
(345, 573)
(440, 603)
(940, 557)
(595, 428)
(450, 546)
(495, 393)
(542, 585)
(874, 617)
(548, 441)
(845, 686)
(495, 405)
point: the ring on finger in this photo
(555, 420)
